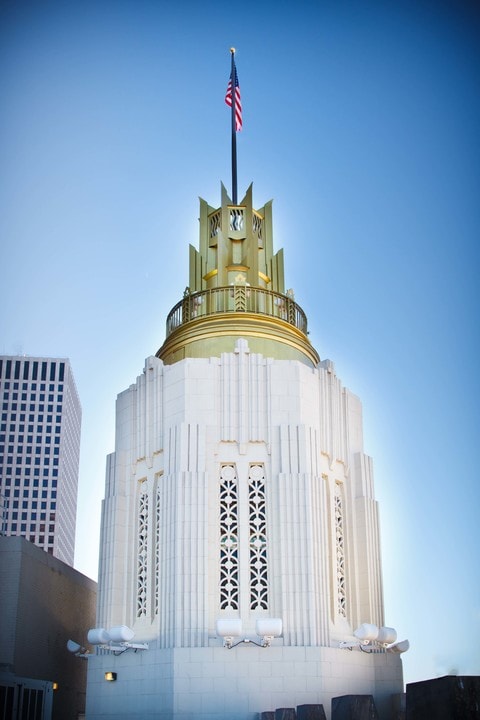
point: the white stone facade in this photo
(218, 684)
(238, 489)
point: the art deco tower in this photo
(239, 506)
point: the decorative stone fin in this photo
(363, 473)
(295, 558)
(182, 573)
(246, 381)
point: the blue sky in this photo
(361, 120)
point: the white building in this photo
(240, 535)
(39, 452)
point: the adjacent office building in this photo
(44, 603)
(39, 452)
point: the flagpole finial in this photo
(232, 50)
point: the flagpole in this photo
(234, 130)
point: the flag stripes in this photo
(238, 101)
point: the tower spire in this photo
(236, 290)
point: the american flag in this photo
(238, 102)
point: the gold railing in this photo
(236, 299)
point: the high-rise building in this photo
(39, 452)
(240, 537)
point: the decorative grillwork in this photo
(291, 309)
(142, 555)
(214, 224)
(240, 298)
(340, 554)
(236, 218)
(258, 538)
(258, 225)
(157, 550)
(187, 309)
(222, 300)
(229, 560)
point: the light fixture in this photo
(386, 636)
(399, 647)
(110, 676)
(54, 686)
(370, 638)
(98, 636)
(228, 628)
(77, 649)
(266, 628)
(116, 640)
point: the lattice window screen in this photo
(229, 560)
(157, 549)
(258, 538)
(142, 555)
(340, 553)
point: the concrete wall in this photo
(238, 684)
(43, 604)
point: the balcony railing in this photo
(236, 299)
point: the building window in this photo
(229, 555)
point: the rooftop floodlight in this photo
(399, 647)
(267, 629)
(370, 638)
(366, 633)
(76, 649)
(386, 636)
(116, 640)
(73, 647)
(98, 636)
(228, 628)
(121, 633)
